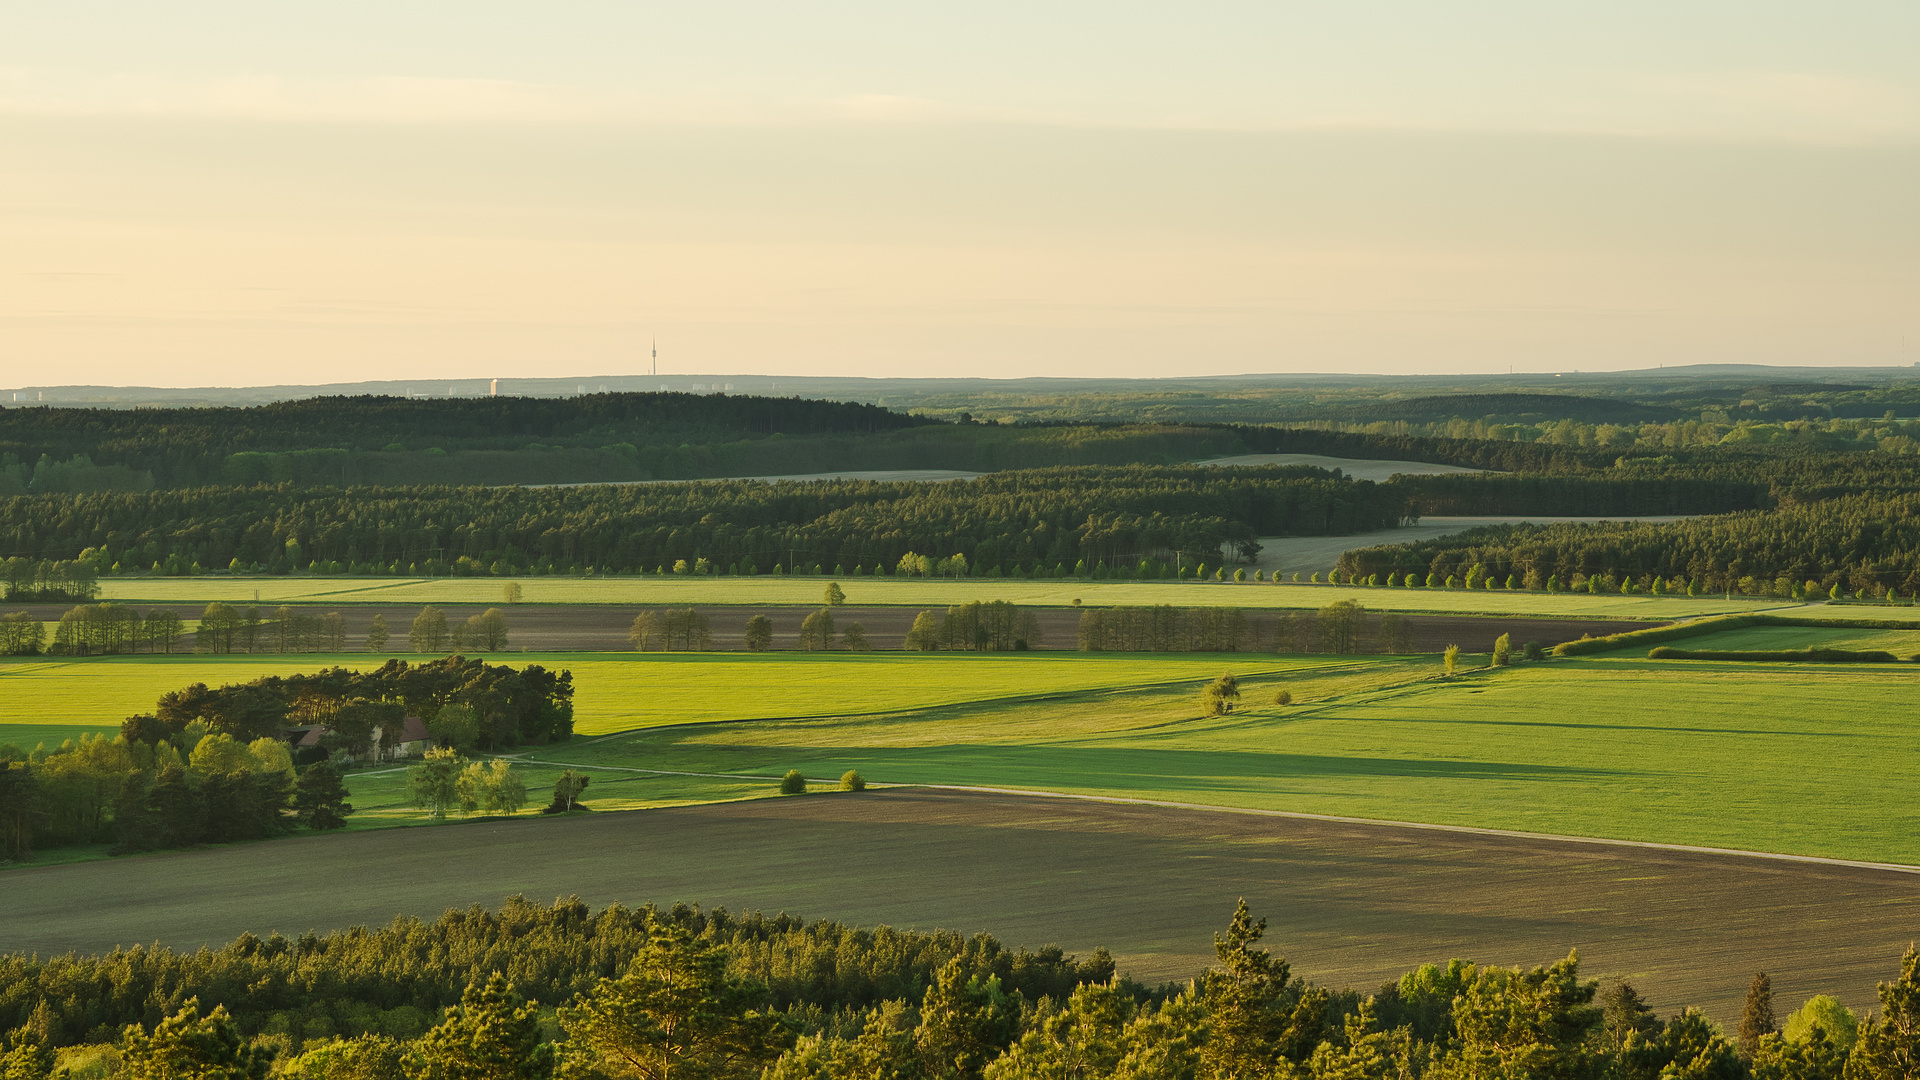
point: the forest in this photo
(1818, 499)
(598, 438)
(528, 993)
(1021, 520)
(1855, 547)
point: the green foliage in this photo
(1888, 1044)
(320, 798)
(1027, 520)
(434, 781)
(854, 638)
(1816, 655)
(1220, 695)
(1827, 1014)
(188, 1046)
(794, 783)
(851, 780)
(490, 1035)
(429, 633)
(1503, 650)
(1756, 1016)
(493, 787)
(674, 1013)
(816, 631)
(567, 791)
(1450, 661)
(1164, 628)
(758, 636)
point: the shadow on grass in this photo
(1141, 769)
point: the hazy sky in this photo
(238, 192)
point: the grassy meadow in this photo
(904, 592)
(1792, 758)
(622, 691)
(1799, 758)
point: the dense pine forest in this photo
(1004, 522)
(394, 487)
(531, 992)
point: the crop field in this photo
(648, 590)
(1902, 643)
(1350, 905)
(620, 691)
(1805, 759)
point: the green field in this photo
(903, 592)
(1902, 643)
(1790, 758)
(1799, 758)
(621, 691)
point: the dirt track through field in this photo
(596, 628)
(1349, 904)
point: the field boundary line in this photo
(1472, 830)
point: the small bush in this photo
(794, 783)
(851, 780)
(1284, 697)
(1533, 650)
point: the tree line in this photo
(1036, 520)
(1342, 627)
(39, 580)
(312, 440)
(532, 993)
(110, 629)
(1854, 546)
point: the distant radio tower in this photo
(656, 356)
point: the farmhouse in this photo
(385, 744)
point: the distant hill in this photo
(1516, 407)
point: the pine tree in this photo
(1757, 1019)
(488, 1036)
(1243, 1000)
(320, 798)
(187, 1044)
(675, 1013)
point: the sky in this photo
(244, 193)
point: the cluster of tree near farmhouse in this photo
(532, 993)
(257, 759)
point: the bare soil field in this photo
(1349, 904)
(599, 628)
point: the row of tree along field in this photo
(531, 993)
(113, 629)
(1047, 521)
(978, 626)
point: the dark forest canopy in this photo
(1010, 519)
(1859, 545)
(592, 439)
